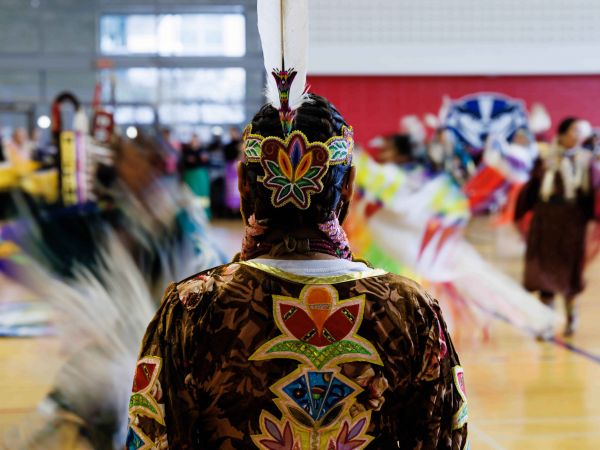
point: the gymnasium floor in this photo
(523, 394)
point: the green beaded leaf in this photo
(298, 193)
(139, 400)
(284, 193)
(253, 148)
(312, 172)
(320, 357)
(338, 150)
(274, 168)
(305, 182)
(280, 181)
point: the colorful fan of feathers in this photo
(429, 205)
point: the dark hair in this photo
(319, 120)
(565, 124)
(403, 145)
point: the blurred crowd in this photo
(209, 168)
(442, 150)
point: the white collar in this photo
(315, 267)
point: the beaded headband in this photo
(294, 167)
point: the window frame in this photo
(157, 52)
(251, 61)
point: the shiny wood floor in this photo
(523, 394)
(526, 394)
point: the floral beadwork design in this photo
(351, 436)
(191, 291)
(145, 401)
(293, 169)
(146, 390)
(251, 145)
(276, 435)
(318, 329)
(341, 147)
(461, 417)
(318, 402)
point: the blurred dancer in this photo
(296, 345)
(426, 213)
(559, 195)
(193, 154)
(232, 157)
(19, 148)
(217, 174)
(505, 166)
(96, 266)
(100, 270)
(195, 170)
(170, 148)
(397, 149)
(447, 154)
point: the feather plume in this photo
(100, 317)
(283, 28)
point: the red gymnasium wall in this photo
(374, 104)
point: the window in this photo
(217, 85)
(139, 115)
(152, 85)
(173, 34)
(194, 113)
(197, 85)
(189, 96)
(137, 85)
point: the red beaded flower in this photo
(318, 329)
